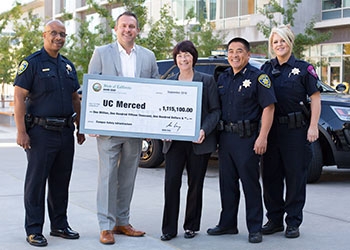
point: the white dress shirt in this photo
(128, 61)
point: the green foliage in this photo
(271, 9)
(310, 38)
(204, 36)
(23, 41)
(79, 47)
(16, 44)
(161, 38)
(28, 34)
(302, 41)
(163, 34)
(6, 40)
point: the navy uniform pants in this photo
(285, 163)
(238, 161)
(180, 155)
(49, 160)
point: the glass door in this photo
(334, 74)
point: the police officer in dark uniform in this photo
(46, 107)
(247, 99)
(288, 153)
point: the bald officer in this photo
(46, 107)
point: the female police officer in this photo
(288, 153)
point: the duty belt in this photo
(294, 120)
(243, 128)
(55, 123)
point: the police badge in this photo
(264, 81)
(22, 67)
(68, 68)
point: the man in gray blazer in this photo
(119, 156)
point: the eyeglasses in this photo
(54, 33)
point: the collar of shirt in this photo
(47, 57)
(243, 71)
(290, 61)
(128, 61)
(122, 50)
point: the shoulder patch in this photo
(312, 71)
(22, 67)
(264, 80)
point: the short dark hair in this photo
(128, 13)
(240, 40)
(186, 46)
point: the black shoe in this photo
(270, 228)
(66, 233)
(292, 232)
(166, 237)
(255, 237)
(219, 231)
(189, 234)
(37, 240)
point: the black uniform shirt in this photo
(50, 82)
(243, 96)
(293, 82)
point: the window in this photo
(235, 8)
(332, 9)
(212, 9)
(230, 8)
(247, 7)
(331, 4)
(331, 50)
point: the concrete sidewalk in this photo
(326, 223)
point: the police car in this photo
(332, 148)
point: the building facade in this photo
(239, 18)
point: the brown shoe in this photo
(107, 237)
(128, 230)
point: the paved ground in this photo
(326, 215)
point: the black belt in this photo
(235, 127)
(55, 123)
(294, 119)
(242, 128)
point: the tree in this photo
(80, 46)
(302, 41)
(163, 34)
(28, 37)
(203, 35)
(24, 39)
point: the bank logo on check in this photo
(97, 87)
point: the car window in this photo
(170, 72)
(212, 66)
(324, 87)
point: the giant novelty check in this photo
(142, 108)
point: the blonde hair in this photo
(285, 32)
